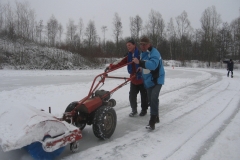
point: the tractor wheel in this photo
(70, 107)
(104, 122)
(112, 102)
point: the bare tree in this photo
(183, 25)
(223, 41)
(81, 30)
(183, 32)
(235, 31)
(60, 32)
(91, 34)
(196, 45)
(104, 29)
(20, 19)
(25, 21)
(117, 30)
(32, 17)
(210, 21)
(9, 21)
(52, 29)
(39, 30)
(1, 16)
(155, 27)
(71, 31)
(136, 25)
(171, 35)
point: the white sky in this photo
(102, 11)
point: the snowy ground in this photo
(199, 113)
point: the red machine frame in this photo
(93, 104)
(88, 104)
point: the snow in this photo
(199, 114)
(29, 122)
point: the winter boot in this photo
(133, 113)
(143, 113)
(152, 121)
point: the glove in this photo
(106, 69)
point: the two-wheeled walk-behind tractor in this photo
(45, 136)
(96, 108)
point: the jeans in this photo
(153, 94)
(134, 90)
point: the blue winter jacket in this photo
(150, 61)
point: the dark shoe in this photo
(133, 113)
(143, 113)
(152, 121)
(157, 119)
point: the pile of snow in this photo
(22, 55)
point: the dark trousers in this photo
(230, 71)
(134, 90)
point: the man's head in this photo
(230, 60)
(131, 45)
(144, 43)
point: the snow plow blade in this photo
(23, 126)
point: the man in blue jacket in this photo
(153, 77)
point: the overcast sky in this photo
(102, 11)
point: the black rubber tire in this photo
(69, 108)
(112, 102)
(104, 122)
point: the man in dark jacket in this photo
(136, 84)
(230, 65)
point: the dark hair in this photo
(131, 41)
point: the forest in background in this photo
(27, 42)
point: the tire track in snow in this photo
(191, 138)
(209, 90)
(209, 142)
(208, 102)
(167, 103)
(138, 122)
(122, 106)
(203, 95)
